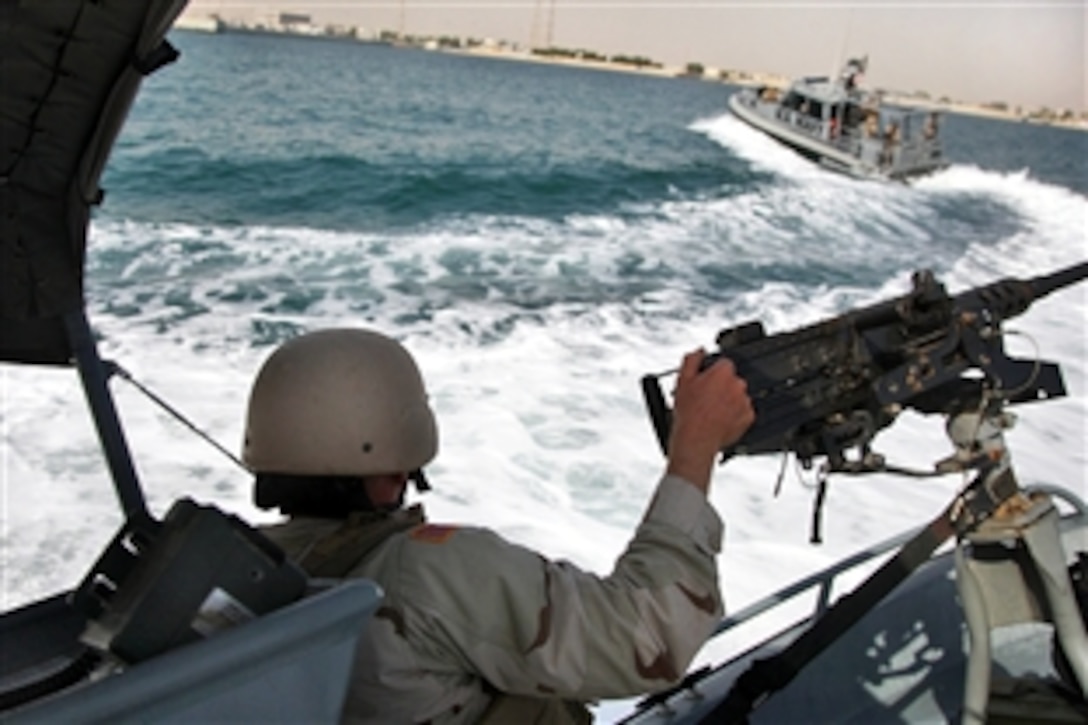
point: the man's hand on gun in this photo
(711, 411)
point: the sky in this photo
(1024, 53)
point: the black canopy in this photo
(69, 70)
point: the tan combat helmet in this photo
(339, 402)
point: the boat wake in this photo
(761, 151)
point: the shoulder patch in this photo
(432, 533)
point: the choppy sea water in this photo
(540, 237)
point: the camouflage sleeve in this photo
(547, 628)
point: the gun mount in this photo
(825, 389)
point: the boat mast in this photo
(840, 63)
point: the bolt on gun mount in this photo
(828, 388)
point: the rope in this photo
(113, 367)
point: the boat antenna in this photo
(841, 63)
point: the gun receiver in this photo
(827, 388)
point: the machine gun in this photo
(823, 390)
(828, 388)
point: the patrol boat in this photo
(843, 127)
(197, 617)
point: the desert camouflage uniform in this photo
(467, 614)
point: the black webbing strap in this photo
(768, 675)
(74, 671)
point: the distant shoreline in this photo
(500, 50)
(964, 109)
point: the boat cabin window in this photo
(853, 115)
(901, 125)
(792, 101)
(808, 106)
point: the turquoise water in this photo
(448, 182)
(345, 136)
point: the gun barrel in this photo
(1044, 285)
(1010, 297)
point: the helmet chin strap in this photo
(421, 482)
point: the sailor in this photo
(474, 628)
(872, 123)
(929, 131)
(891, 140)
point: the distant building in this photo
(288, 20)
(295, 23)
(203, 23)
